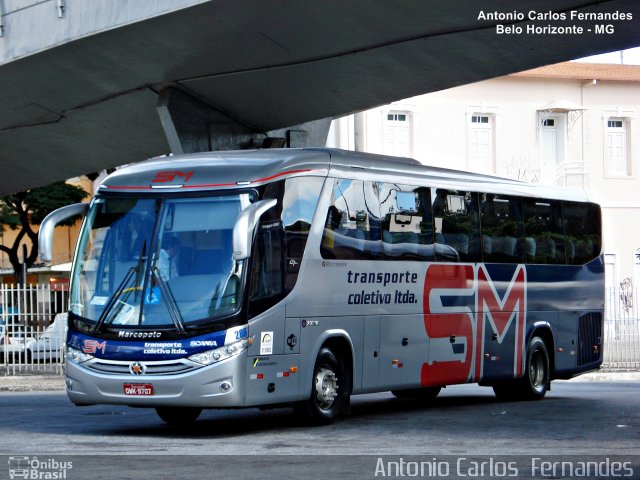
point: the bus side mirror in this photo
(48, 225)
(245, 227)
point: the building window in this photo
(479, 119)
(397, 134)
(397, 117)
(617, 148)
(481, 143)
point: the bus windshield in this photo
(157, 262)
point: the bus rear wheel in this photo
(327, 398)
(535, 382)
(178, 415)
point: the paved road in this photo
(576, 419)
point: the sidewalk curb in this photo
(608, 376)
(55, 383)
(32, 383)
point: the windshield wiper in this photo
(113, 299)
(170, 302)
(120, 289)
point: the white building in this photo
(570, 124)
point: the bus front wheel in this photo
(535, 382)
(327, 398)
(178, 415)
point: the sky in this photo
(630, 56)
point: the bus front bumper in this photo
(218, 385)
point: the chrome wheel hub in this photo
(326, 388)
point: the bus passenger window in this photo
(406, 222)
(582, 232)
(352, 227)
(502, 228)
(456, 225)
(543, 229)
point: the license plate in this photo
(138, 389)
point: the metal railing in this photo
(622, 329)
(572, 174)
(28, 342)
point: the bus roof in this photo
(234, 169)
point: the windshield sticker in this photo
(127, 314)
(99, 300)
(153, 296)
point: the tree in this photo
(21, 211)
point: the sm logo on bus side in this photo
(461, 305)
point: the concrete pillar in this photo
(359, 131)
(192, 125)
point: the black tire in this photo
(535, 382)
(422, 394)
(328, 397)
(178, 415)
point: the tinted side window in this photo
(502, 228)
(266, 285)
(299, 203)
(406, 222)
(543, 229)
(352, 227)
(280, 240)
(582, 227)
(456, 225)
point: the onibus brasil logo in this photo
(33, 468)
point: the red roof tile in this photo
(585, 71)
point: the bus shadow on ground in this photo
(451, 407)
(365, 409)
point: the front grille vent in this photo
(122, 368)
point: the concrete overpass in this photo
(90, 85)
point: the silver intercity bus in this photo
(302, 277)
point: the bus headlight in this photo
(219, 354)
(77, 356)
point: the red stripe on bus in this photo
(206, 185)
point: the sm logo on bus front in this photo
(462, 304)
(92, 346)
(170, 175)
